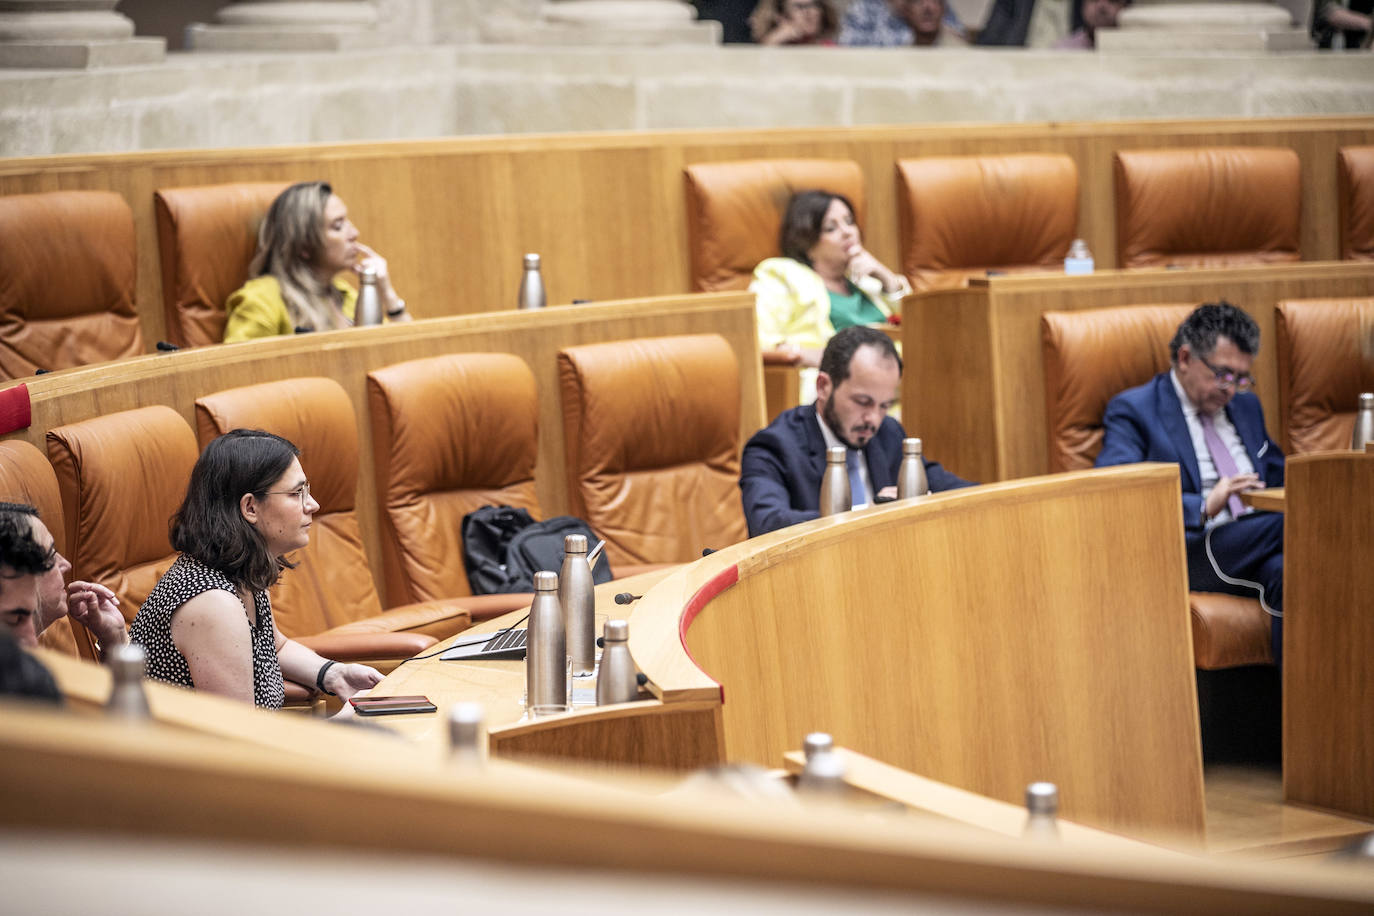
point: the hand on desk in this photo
(352, 679)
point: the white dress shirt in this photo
(1229, 438)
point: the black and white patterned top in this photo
(152, 629)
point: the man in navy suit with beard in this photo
(780, 472)
(1202, 416)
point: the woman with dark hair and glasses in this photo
(306, 245)
(825, 281)
(208, 622)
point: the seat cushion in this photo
(205, 237)
(735, 210)
(651, 433)
(1229, 631)
(1322, 370)
(963, 216)
(67, 266)
(1218, 207)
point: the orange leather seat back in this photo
(332, 582)
(26, 477)
(122, 477)
(66, 281)
(735, 210)
(205, 237)
(1092, 356)
(450, 434)
(962, 216)
(1323, 368)
(1355, 174)
(1220, 207)
(651, 431)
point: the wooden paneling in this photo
(974, 389)
(985, 638)
(607, 211)
(1328, 638)
(177, 379)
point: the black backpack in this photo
(503, 547)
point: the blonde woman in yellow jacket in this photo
(306, 242)
(825, 281)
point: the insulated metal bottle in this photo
(546, 646)
(1042, 810)
(367, 312)
(911, 476)
(467, 735)
(1364, 423)
(127, 699)
(823, 772)
(835, 483)
(532, 285)
(579, 604)
(616, 681)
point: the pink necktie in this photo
(1221, 457)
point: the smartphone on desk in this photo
(391, 706)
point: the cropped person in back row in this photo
(795, 22)
(782, 466)
(825, 281)
(305, 244)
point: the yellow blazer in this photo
(256, 309)
(793, 305)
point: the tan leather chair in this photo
(1217, 207)
(963, 216)
(26, 477)
(1323, 368)
(330, 593)
(1090, 357)
(651, 431)
(450, 434)
(1355, 174)
(67, 259)
(205, 237)
(735, 210)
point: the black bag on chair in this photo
(503, 547)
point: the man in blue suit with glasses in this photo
(1202, 416)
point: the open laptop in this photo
(503, 645)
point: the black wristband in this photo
(319, 679)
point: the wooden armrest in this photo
(781, 358)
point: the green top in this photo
(848, 309)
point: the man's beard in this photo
(832, 420)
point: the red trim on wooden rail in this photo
(713, 587)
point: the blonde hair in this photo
(289, 240)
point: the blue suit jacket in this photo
(782, 466)
(1146, 424)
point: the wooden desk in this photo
(1267, 500)
(1328, 636)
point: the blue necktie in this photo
(857, 496)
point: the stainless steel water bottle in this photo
(835, 483)
(467, 734)
(1364, 423)
(911, 476)
(546, 646)
(823, 772)
(616, 681)
(579, 604)
(127, 698)
(1042, 811)
(368, 310)
(532, 285)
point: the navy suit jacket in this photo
(1146, 424)
(782, 466)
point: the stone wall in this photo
(206, 99)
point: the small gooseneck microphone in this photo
(627, 598)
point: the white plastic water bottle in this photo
(1080, 259)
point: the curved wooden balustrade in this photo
(985, 638)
